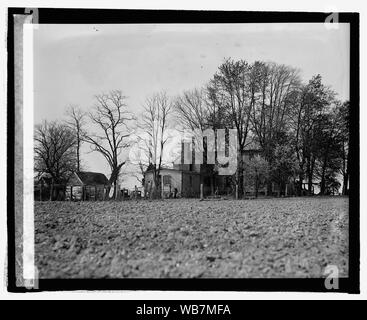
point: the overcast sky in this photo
(75, 62)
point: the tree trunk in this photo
(300, 186)
(52, 190)
(239, 174)
(269, 183)
(345, 184)
(311, 173)
(310, 168)
(115, 190)
(346, 177)
(78, 155)
(322, 183)
(155, 187)
(309, 179)
(240, 182)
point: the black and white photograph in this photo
(185, 147)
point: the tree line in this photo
(300, 129)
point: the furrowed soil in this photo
(186, 238)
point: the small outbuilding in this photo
(84, 185)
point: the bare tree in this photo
(76, 121)
(137, 171)
(278, 88)
(112, 119)
(344, 122)
(54, 151)
(277, 85)
(192, 109)
(235, 88)
(311, 103)
(154, 123)
(217, 117)
(198, 110)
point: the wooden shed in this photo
(87, 186)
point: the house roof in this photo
(92, 178)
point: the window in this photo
(166, 179)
